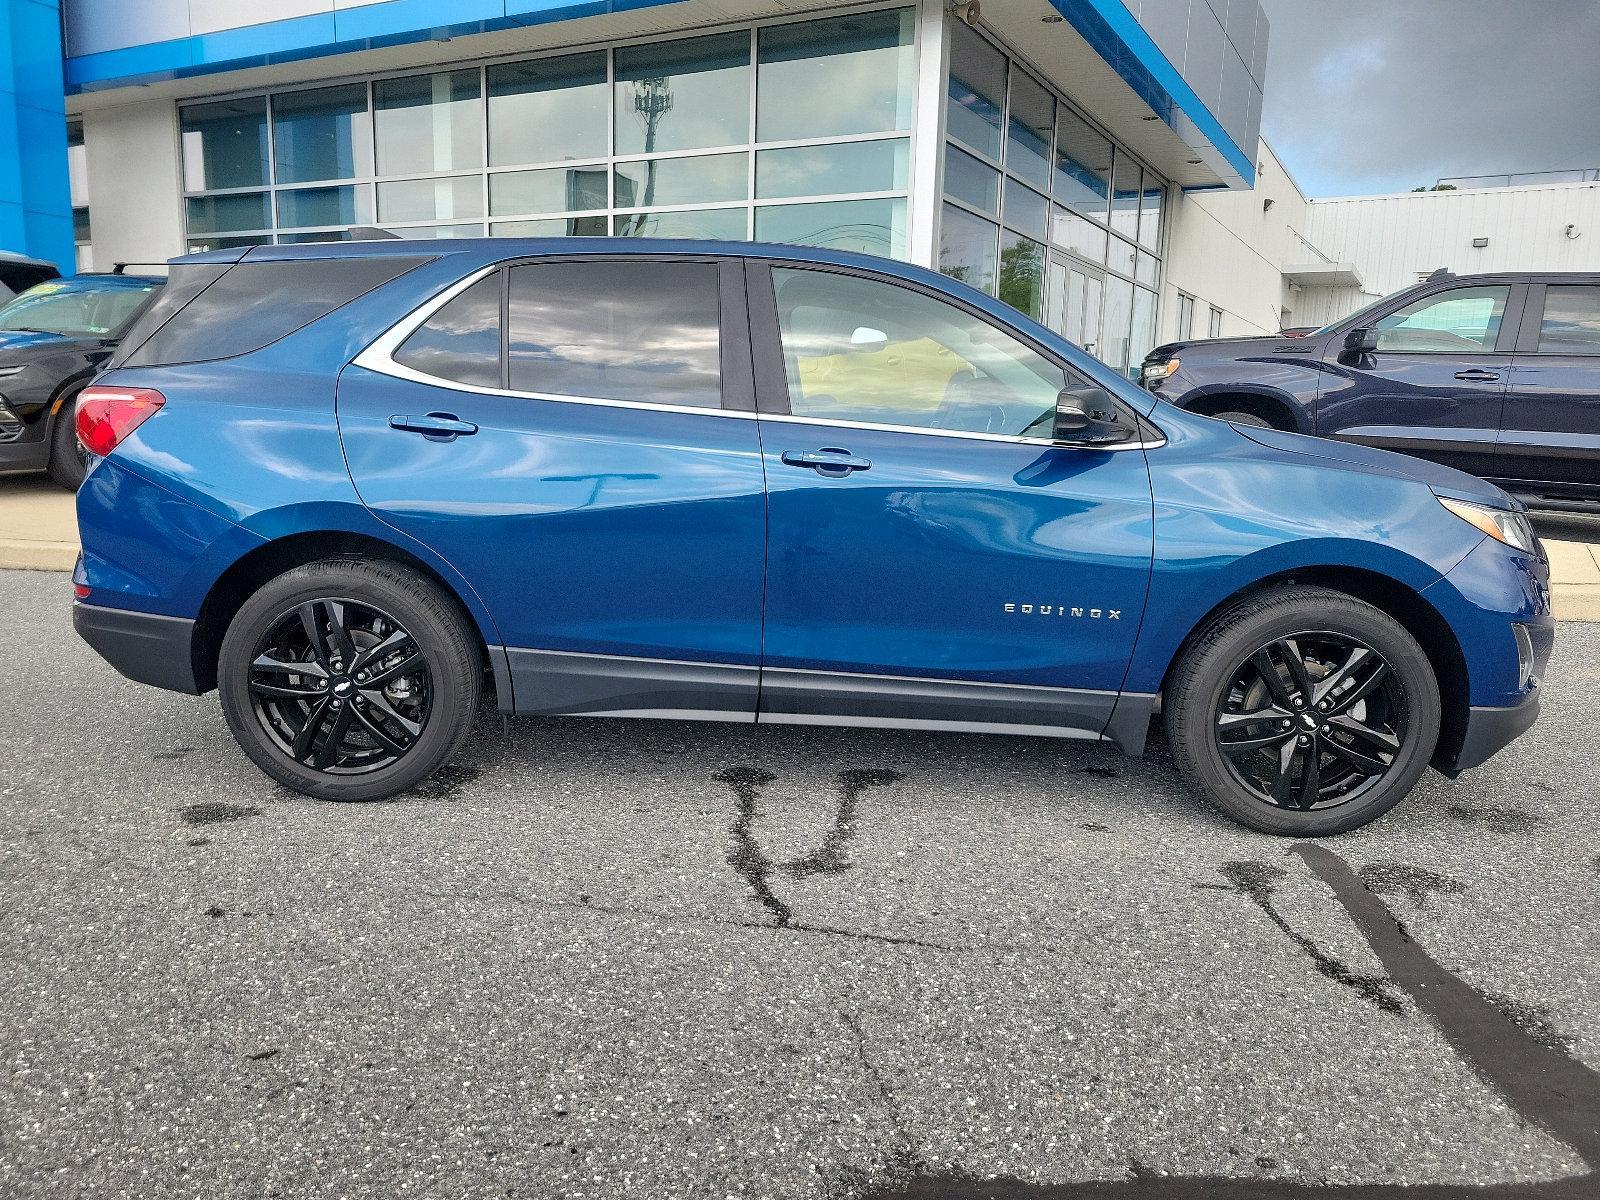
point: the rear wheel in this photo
(68, 459)
(349, 679)
(1303, 711)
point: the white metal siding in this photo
(1395, 238)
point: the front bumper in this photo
(1489, 731)
(145, 647)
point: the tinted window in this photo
(185, 281)
(639, 331)
(462, 340)
(862, 350)
(256, 303)
(1460, 320)
(1571, 322)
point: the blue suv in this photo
(353, 486)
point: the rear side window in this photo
(1571, 322)
(184, 283)
(256, 303)
(639, 331)
(460, 342)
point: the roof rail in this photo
(121, 268)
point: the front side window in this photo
(460, 342)
(1461, 320)
(645, 332)
(863, 350)
(1571, 323)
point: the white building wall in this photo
(1228, 250)
(1396, 238)
(135, 187)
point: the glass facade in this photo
(794, 132)
(1043, 210)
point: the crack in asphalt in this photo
(905, 1161)
(1255, 880)
(1536, 1077)
(753, 864)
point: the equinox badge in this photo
(1063, 610)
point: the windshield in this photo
(75, 309)
(1356, 316)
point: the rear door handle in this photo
(1478, 375)
(436, 426)
(831, 461)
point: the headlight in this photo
(1512, 528)
(1156, 372)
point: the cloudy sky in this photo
(1386, 95)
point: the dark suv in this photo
(1498, 375)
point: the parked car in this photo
(1498, 375)
(346, 485)
(54, 337)
(18, 273)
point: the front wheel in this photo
(349, 679)
(1303, 711)
(69, 461)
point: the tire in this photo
(1244, 418)
(392, 733)
(1219, 694)
(68, 463)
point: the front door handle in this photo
(436, 426)
(831, 461)
(1478, 375)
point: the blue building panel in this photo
(1129, 49)
(35, 196)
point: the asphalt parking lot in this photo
(607, 958)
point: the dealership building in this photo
(1034, 148)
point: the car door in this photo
(576, 437)
(1550, 435)
(1435, 384)
(933, 559)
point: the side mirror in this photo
(1086, 414)
(1361, 341)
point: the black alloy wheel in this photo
(1303, 711)
(350, 678)
(1312, 721)
(340, 686)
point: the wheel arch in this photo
(267, 561)
(1275, 407)
(1415, 613)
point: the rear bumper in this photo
(1489, 731)
(143, 646)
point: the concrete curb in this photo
(19, 555)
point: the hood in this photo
(1445, 481)
(30, 339)
(1231, 347)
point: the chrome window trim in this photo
(379, 357)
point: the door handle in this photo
(830, 461)
(1478, 375)
(436, 426)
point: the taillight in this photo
(107, 415)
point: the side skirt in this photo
(550, 682)
(553, 682)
